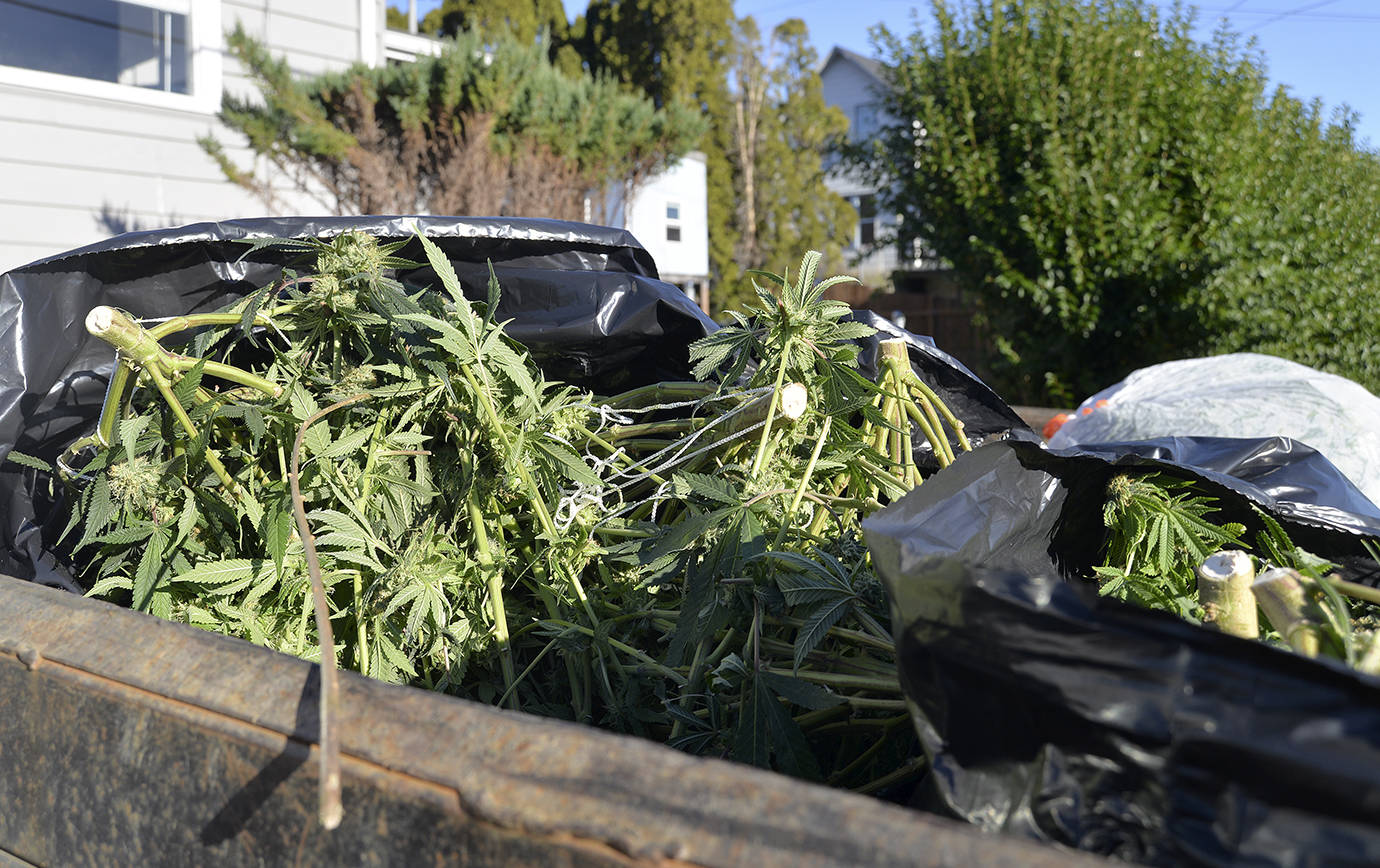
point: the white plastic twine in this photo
(658, 463)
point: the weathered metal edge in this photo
(540, 779)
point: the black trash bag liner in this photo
(1050, 712)
(585, 300)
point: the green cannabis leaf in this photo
(1159, 533)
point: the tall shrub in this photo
(1111, 190)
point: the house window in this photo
(864, 120)
(867, 219)
(125, 43)
(672, 221)
(152, 51)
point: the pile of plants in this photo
(682, 561)
(1170, 548)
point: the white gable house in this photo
(854, 84)
(669, 215)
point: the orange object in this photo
(1054, 424)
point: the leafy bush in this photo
(1115, 194)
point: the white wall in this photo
(684, 186)
(81, 159)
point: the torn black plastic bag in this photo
(1050, 712)
(585, 300)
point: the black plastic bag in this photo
(1051, 712)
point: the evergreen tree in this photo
(767, 201)
(677, 53)
(526, 20)
(488, 127)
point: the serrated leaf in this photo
(276, 530)
(110, 583)
(128, 432)
(219, 572)
(800, 692)
(344, 530)
(24, 460)
(816, 627)
(150, 567)
(184, 390)
(186, 519)
(160, 604)
(125, 535)
(711, 488)
(347, 444)
(394, 656)
(444, 270)
(751, 739)
(100, 509)
(304, 406)
(566, 458)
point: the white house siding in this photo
(77, 166)
(682, 187)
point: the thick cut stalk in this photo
(1284, 600)
(662, 393)
(805, 479)
(494, 578)
(1224, 589)
(761, 456)
(180, 413)
(199, 320)
(140, 347)
(954, 422)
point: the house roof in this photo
(869, 65)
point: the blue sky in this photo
(1317, 48)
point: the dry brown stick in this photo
(330, 808)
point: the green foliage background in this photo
(1115, 194)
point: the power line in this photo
(1299, 11)
(1340, 17)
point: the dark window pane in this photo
(672, 233)
(105, 40)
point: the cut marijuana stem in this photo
(1164, 551)
(682, 561)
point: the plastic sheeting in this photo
(1239, 395)
(1050, 712)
